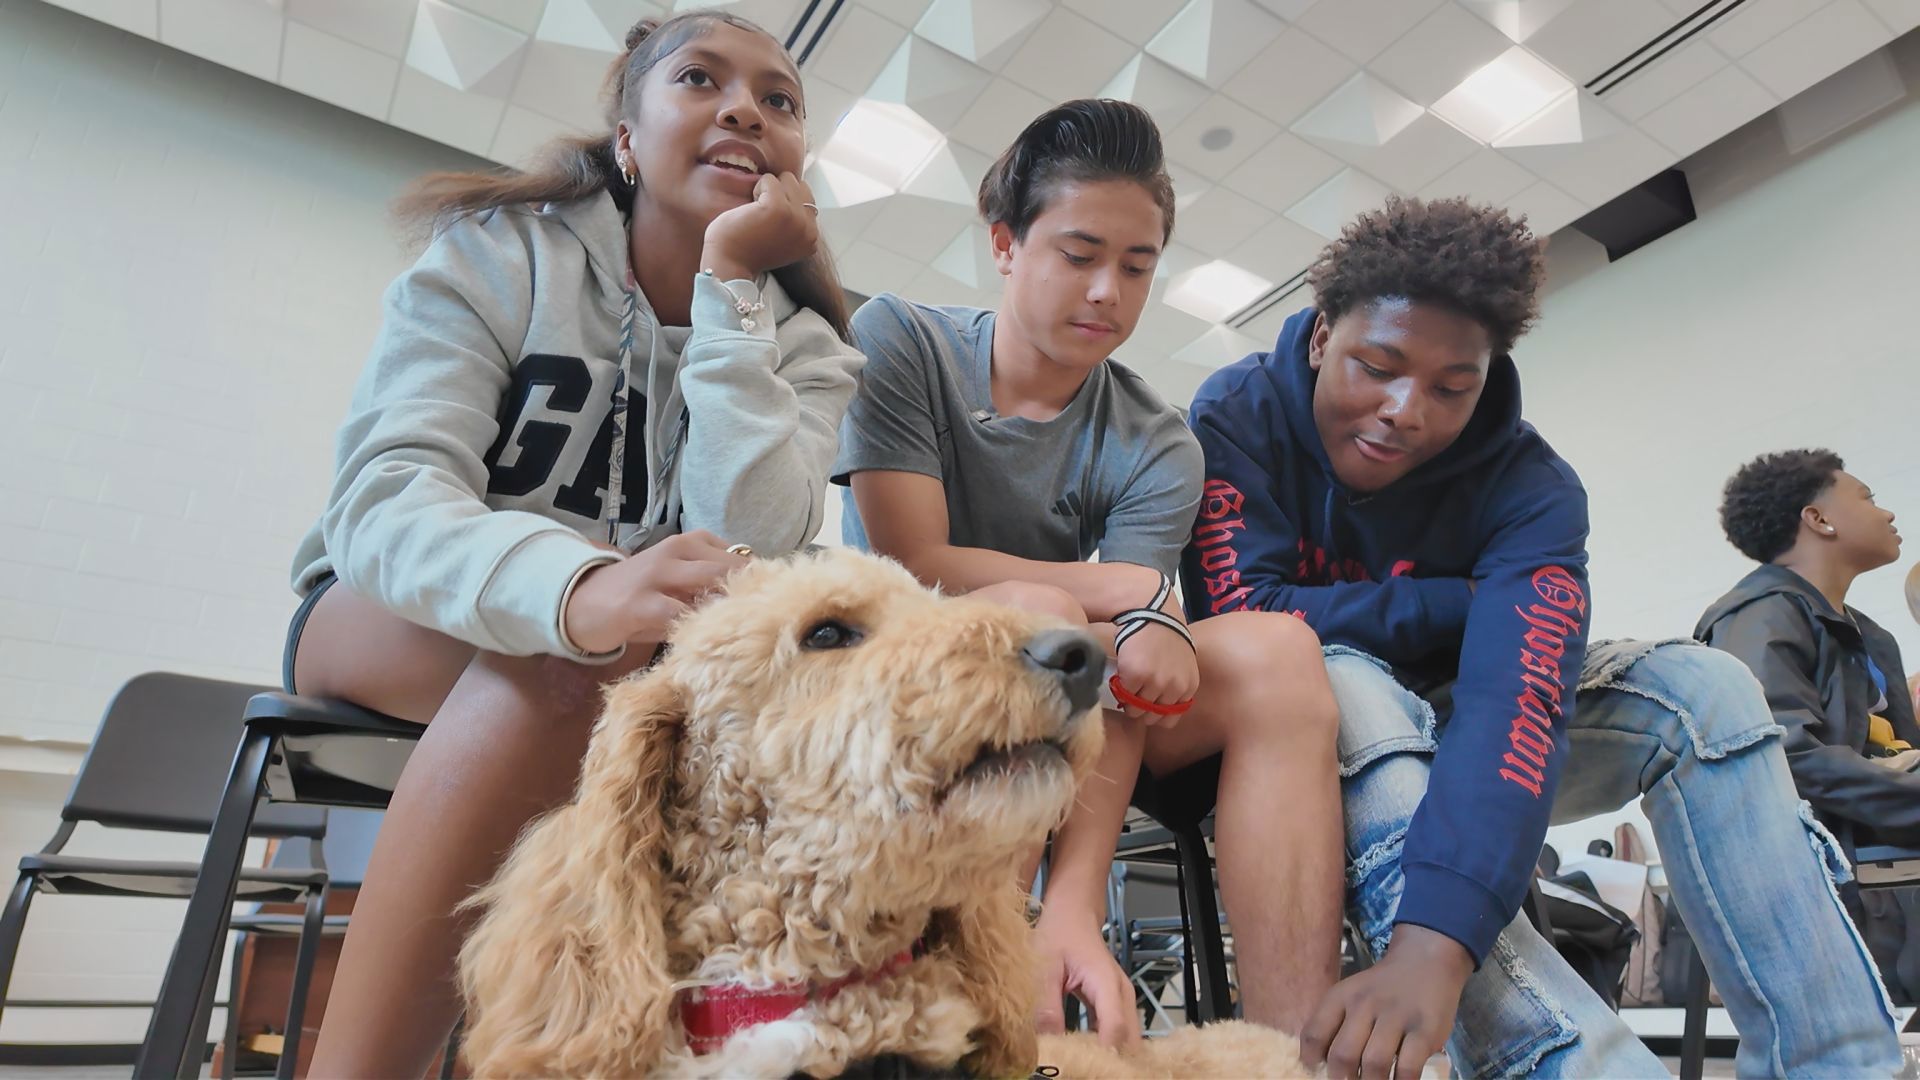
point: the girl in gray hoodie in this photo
(602, 380)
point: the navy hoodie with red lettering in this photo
(1388, 573)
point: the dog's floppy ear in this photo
(991, 943)
(566, 973)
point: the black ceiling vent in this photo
(1641, 215)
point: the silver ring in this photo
(741, 550)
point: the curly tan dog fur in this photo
(1231, 1048)
(831, 765)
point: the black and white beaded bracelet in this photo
(1137, 619)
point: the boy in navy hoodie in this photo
(1373, 475)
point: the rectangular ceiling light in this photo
(884, 142)
(1215, 290)
(1498, 97)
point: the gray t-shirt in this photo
(1117, 471)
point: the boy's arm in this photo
(1069, 943)
(1772, 637)
(1473, 843)
(1148, 524)
(1247, 554)
(905, 516)
(1475, 837)
(1521, 627)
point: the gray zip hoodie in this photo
(474, 463)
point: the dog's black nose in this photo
(1071, 657)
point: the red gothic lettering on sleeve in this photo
(1550, 621)
(1213, 539)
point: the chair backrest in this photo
(1886, 866)
(161, 757)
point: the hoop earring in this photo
(628, 172)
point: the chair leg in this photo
(176, 1034)
(302, 975)
(1693, 1040)
(230, 1056)
(1189, 988)
(11, 924)
(452, 1055)
(1209, 949)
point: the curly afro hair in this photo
(1760, 509)
(1476, 260)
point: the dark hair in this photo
(1478, 261)
(1760, 508)
(577, 167)
(1080, 141)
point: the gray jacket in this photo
(1812, 662)
(475, 465)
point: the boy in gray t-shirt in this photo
(993, 453)
(1117, 471)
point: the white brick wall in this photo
(190, 268)
(190, 265)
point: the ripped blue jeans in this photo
(1686, 729)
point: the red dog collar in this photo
(712, 1014)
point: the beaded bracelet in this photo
(1133, 621)
(747, 309)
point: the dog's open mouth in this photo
(1000, 762)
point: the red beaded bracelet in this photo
(1132, 700)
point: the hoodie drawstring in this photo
(1326, 521)
(617, 464)
(659, 464)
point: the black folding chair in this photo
(293, 749)
(155, 765)
(1882, 866)
(349, 840)
(1181, 805)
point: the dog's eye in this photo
(830, 634)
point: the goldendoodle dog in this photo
(794, 850)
